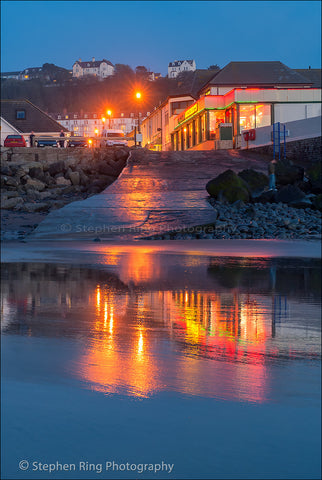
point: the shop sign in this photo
(191, 111)
(180, 118)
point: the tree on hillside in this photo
(141, 71)
(214, 67)
(54, 73)
(122, 70)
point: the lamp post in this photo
(109, 114)
(138, 96)
(103, 122)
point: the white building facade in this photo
(156, 128)
(92, 124)
(98, 68)
(178, 66)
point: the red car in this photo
(14, 141)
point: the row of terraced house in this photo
(242, 97)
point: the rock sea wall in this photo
(43, 179)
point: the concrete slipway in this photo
(156, 192)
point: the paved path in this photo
(156, 192)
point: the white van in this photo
(113, 138)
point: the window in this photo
(215, 117)
(20, 114)
(263, 115)
(254, 116)
(178, 107)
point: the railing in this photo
(277, 139)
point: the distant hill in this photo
(90, 94)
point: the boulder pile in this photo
(295, 187)
(41, 186)
(245, 208)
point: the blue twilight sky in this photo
(153, 33)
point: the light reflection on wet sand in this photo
(193, 325)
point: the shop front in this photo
(198, 126)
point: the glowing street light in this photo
(109, 113)
(138, 97)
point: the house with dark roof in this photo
(99, 68)
(178, 66)
(245, 96)
(312, 74)
(23, 117)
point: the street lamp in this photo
(109, 113)
(103, 121)
(138, 97)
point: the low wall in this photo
(44, 155)
(299, 151)
(303, 140)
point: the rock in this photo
(317, 202)
(57, 204)
(20, 173)
(10, 194)
(48, 179)
(256, 181)
(63, 181)
(5, 170)
(289, 193)
(37, 172)
(84, 179)
(314, 175)
(238, 205)
(303, 203)
(305, 185)
(101, 183)
(24, 179)
(121, 154)
(270, 196)
(93, 189)
(36, 184)
(74, 177)
(57, 167)
(106, 169)
(233, 188)
(287, 173)
(11, 203)
(36, 207)
(12, 182)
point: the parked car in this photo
(113, 138)
(75, 142)
(14, 141)
(46, 142)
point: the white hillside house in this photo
(178, 66)
(99, 68)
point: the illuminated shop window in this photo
(263, 115)
(203, 127)
(215, 118)
(252, 116)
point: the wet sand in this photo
(96, 252)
